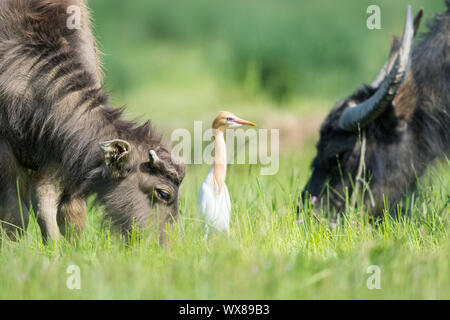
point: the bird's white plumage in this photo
(214, 206)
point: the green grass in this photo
(269, 255)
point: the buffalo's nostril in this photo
(312, 201)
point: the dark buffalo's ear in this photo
(116, 154)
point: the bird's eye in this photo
(229, 118)
(163, 194)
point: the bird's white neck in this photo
(220, 159)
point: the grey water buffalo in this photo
(384, 135)
(60, 141)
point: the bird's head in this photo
(226, 120)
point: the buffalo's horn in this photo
(153, 157)
(365, 112)
(395, 46)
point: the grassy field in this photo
(280, 64)
(269, 254)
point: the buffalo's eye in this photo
(333, 162)
(163, 194)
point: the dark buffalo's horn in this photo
(367, 111)
(393, 54)
(395, 46)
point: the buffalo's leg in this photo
(13, 210)
(44, 197)
(71, 215)
(14, 200)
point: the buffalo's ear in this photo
(116, 154)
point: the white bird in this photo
(213, 200)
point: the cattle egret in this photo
(213, 200)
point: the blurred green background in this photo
(281, 63)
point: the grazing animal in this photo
(213, 200)
(385, 134)
(60, 142)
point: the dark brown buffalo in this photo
(60, 141)
(402, 118)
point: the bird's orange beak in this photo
(244, 122)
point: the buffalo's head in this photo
(141, 186)
(361, 138)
